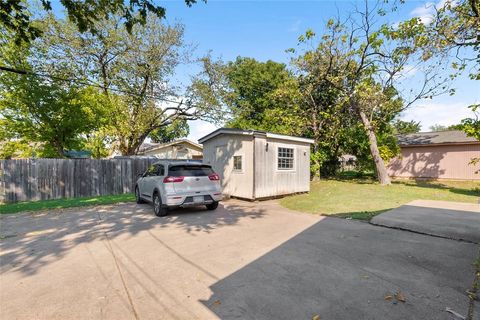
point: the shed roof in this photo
(440, 137)
(251, 133)
(155, 146)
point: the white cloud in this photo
(426, 11)
(200, 128)
(430, 113)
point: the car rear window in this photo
(189, 171)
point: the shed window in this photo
(237, 163)
(285, 159)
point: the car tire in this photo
(138, 198)
(160, 211)
(212, 206)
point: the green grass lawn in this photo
(364, 198)
(64, 203)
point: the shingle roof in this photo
(440, 137)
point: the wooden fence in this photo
(41, 179)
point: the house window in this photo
(285, 159)
(237, 163)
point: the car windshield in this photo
(190, 171)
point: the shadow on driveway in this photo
(28, 245)
(341, 269)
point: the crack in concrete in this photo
(423, 233)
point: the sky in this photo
(265, 29)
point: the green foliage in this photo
(178, 129)
(250, 94)
(48, 112)
(97, 143)
(16, 148)
(364, 198)
(259, 96)
(32, 206)
(406, 127)
(471, 126)
(439, 127)
(16, 18)
(453, 29)
(134, 69)
(455, 127)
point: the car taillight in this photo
(169, 179)
(214, 177)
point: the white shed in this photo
(257, 164)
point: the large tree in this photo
(39, 114)
(250, 94)
(367, 63)
(134, 71)
(16, 17)
(452, 29)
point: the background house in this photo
(436, 155)
(178, 149)
(256, 164)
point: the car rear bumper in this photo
(192, 200)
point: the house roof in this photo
(146, 146)
(440, 137)
(251, 133)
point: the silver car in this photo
(173, 184)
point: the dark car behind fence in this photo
(42, 179)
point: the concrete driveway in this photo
(452, 220)
(244, 260)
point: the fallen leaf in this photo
(316, 317)
(217, 302)
(388, 297)
(400, 297)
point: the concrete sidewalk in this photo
(453, 220)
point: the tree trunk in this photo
(317, 164)
(58, 146)
(382, 174)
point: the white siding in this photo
(219, 152)
(269, 181)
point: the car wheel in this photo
(159, 210)
(212, 206)
(138, 198)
